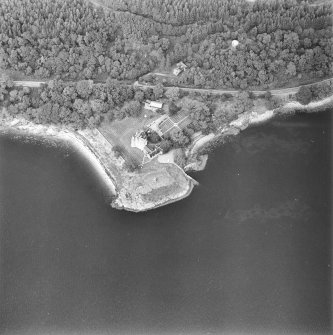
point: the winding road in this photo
(277, 92)
(97, 4)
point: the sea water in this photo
(248, 251)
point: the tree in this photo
(304, 95)
(291, 69)
(158, 91)
(180, 157)
(178, 138)
(132, 108)
(153, 137)
(131, 165)
(322, 90)
(8, 82)
(84, 88)
(97, 106)
(2, 93)
(172, 93)
(173, 109)
(243, 102)
(139, 96)
(224, 114)
(165, 145)
(118, 150)
(268, 95)
(69, 92)
(13, 95)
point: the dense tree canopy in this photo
(280, 41)
(68, 38)
(79, 104)
(92, 55)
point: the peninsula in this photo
(146, 94)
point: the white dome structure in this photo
(234, 43)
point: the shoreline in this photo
(118, 181)
(252, 118)
(158, 205)
(108, 168)
(58, 133)
(85, 149)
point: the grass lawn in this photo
(120, 132)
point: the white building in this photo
(176, 71)
(138, 142)
(180, 67)
(153, 105)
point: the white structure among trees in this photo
(234, 43)
(153, 105)
(179, 68)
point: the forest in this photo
(84, 104)
(79, 104)
(67, 39)
(91, 57)
(281, 42)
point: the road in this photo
(319, 3)
(163, 74)
(97, 4)
(277, 92)
(29, 83)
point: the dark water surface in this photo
(248, 251)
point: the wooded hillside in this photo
(280, 42)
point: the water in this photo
(248, 251)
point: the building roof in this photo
(176, 71)
(181, 65)
(156, 104)
(153, 105)
(138, 142)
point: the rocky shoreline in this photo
(126, 188)
(170, 183)
(57, 133)
(252, 118)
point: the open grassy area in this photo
(155, 183)
(120, 132)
